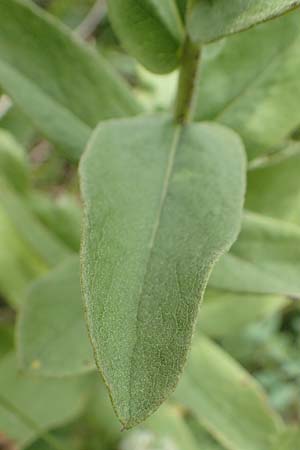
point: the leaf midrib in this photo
(168, 173)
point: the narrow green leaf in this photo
(44, 244)
(66, 89)
(151, 30)
(6, 336)
(62, 216)
(264, 260)
(204, 438)
(274, 190)
(227, 313)
(51, 337)
(226, 399)
(30, 406)
(19, 264)
(161, 205)
(254, 88)
(19, 125)
(13, 164)
(211, 20)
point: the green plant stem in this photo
(188, 83)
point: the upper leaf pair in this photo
(209, 20)
(153, 30)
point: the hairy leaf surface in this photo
(161, 205)
(64, 86)
(52, 338)
(210, 20)
(150, 30)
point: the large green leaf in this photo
(254, 88)
(226, 400)
(274, 189)
(227, 313)
(265, 259)
(58, 81)
(210, 20)
(30, 406)
(161, 205)
(151, 30)
(52, 338)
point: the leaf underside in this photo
(161, 205)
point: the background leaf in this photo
(274, 189)
(13, 165)
(67, 89)
(62, 216)
(226, 400)
(227, 313)
(289, 440)
(182, 5)
(254, 88)
(19, 263)
(45, 244)
(23, 415)
(264, 260)
(208, 21)
(52, 337)
(151, 30)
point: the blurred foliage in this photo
(40, 228)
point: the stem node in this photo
(188, 83)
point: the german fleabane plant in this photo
(166, 220)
